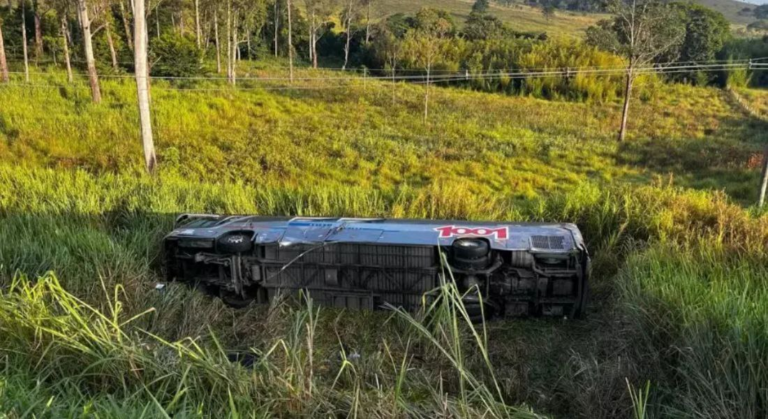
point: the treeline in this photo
(574, 5)
(189, 37)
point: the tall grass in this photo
(97, 360)
(678, 295)
(707, 307)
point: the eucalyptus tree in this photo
(90, 61)
(3, 63)
(350, 12)
(61, 7)
(141, 43)
(319, 12)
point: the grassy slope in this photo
(730, 9)
(490, 143)
(75, 180)
(529, 19)
(520, 17)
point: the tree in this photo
(3, 63)
(290, 40)
(484, 27)
(764, 178)
(706, 31)
(65, 42)
(318, 13)
(348, 15)
(761, 12)
(90, 61)
(24, 46)
(481, 6)
(424, 43)
(641, 31)
(175, 56)
(216, 38)
(368, 4)
(231, 36)
(62, 11)
(277, 26)
(141, 43)
(548, 11)
(435, 22)
(126, 26)
(198, 28)
(38, 10)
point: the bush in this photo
(173, 55)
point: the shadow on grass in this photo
(728, 159)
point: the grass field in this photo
(519, 17)
(564, 24)
(679, 290)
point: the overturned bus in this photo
(511, 269)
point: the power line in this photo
(422, 79)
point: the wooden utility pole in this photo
(630, 80)
(93, 76)
(3, 62)
(142, 84)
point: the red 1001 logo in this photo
(500, 233)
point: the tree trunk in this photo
(231, 45)
(290, 43)
(394, 83)
(764, 178)
(235, 48)
(277, 28)
(349, 39)
(93, 77)
(625, 110)
(24, 41)
(311, 33)
(3, 63)
(426, 95)
(126, 25)
(198, 30)
(142, 85)
(229, 42)
(314, 51)
(111, 43)
(368, 23)
(38, 33)
(65, 35)
(218, 43)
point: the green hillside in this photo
(520, 17)
(530, 19)
(679, 262)
(731, 9)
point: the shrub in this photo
(173, 55)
